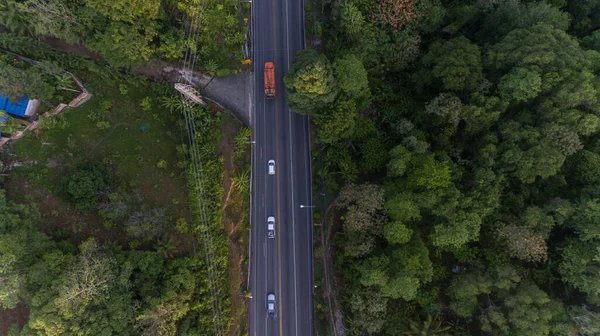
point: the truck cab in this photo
(271, 227)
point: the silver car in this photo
(271, 165)
(271, 305)
(271, 227)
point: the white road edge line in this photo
(264, 115)
(287, 24)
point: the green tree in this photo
(310, 82)
(400, 161)
(126, 10)
(352, 22)
(542, 160)
(14, 16)
(464, 290)
(429, 173)
(351, 76)
(520, 85)
(401, 272)
(580, 266)
(541, 48)
(526, 311)
(16, 83)
(446, 107)
(592, 41)
(368, 309)
(364, 218)
(456, 62)
(123, 44)
(54, 18)
(374, 155)
(458, 230)
(403, 211)
(585, 220)
(21, 244)
(566, 140)
(336, 122)
(584, 168)
(515, 14)
(88, 296)
(84, 185)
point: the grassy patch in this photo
(125, 129)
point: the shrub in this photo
(103, 125)
(51, 122)
(161, 164)
(85, 184)
(123, 88)
(181, 225)
(223, 72)
(146, 104)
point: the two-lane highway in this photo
(282, 265)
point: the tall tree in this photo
(310, 82)
(128, 11)
(456, 63)
(351, 76)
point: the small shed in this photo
(23, 108)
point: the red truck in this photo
(269, 80)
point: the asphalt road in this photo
(282, 265)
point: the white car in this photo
(271, 305)
(270, 227)
(271, 165)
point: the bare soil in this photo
(233, 220)
(8, 317)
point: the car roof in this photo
(271, 296)
(270, 219)
(271, 161)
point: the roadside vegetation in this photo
(461, 142)
(127, 33)
(99, 228)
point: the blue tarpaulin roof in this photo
(18, 109)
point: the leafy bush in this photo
(181, 225)
(52, 122)
(103, 125)
(146, 104)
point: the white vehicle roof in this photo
(270, 219)
(271, 297)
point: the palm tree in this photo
(64, 82)
(428, 327)
(241, 182)
(173, 103)
(165, 247)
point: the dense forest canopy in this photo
(462, 137)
